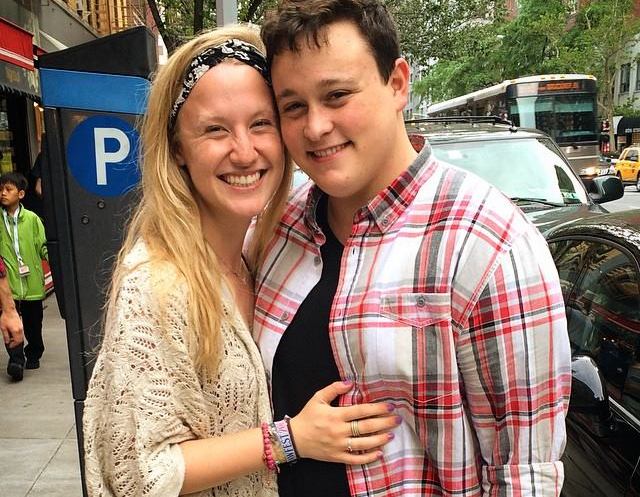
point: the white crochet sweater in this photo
(145, 396)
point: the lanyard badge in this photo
(23, 269)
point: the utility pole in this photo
(226, 12)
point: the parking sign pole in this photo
(226, 12)
(90, 177)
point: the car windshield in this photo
(527, 169)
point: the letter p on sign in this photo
(103, 157)
(102, 154)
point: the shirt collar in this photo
(389, 204)
(13, 216)
(313, 198)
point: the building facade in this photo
(29, 28)
(626, 93)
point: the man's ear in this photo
(20, 194)
(399, 83)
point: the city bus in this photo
(561, 105)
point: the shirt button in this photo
(317, 260)
(420, 302)
(285, 316)
(385, 221)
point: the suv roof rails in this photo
(462, 119)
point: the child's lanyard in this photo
(16, 242)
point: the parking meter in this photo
(93, 95)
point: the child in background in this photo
(23, 247)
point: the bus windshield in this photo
(567, 118)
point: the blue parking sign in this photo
(102, 153)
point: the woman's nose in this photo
(243, 150)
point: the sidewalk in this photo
(38, 448)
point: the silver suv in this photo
(525, 164)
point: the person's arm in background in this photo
(36, 173)
(10, 322)
(38, 187)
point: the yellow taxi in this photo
(628, 166)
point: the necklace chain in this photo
(242, 275)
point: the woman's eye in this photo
(215, 129)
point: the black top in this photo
(302, 365)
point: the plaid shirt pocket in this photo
(416, 309)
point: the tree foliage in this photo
(547, 36)
(434, 29)
(428, 28)
(179, 20)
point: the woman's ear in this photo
(178, 156)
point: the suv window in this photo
(521, 168)
(603, 312)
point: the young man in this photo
(419, 282)
(23, 247)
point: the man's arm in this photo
(10, 322)
(516, 362)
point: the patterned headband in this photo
(211, 57)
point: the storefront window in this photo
(625, 73)
(6, 139)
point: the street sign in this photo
(102, 155)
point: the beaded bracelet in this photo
(267, 457)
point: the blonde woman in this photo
(178, 400)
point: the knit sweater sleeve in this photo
(134, 413)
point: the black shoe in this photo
(15, 370)
(32, 364)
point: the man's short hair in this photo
(16, 179)
(298, 21)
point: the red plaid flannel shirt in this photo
(448, 305)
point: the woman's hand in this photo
(325, 433)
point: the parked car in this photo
(598, 260)
(525, 164)
(628, 166)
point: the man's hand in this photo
(11, 327)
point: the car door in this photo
(600, 284)
(629, 170)
(632, 165)
(623, 164)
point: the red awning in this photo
(16, 45)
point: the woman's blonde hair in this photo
(167, 218)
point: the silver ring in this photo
(355, 430)
(349, 448)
